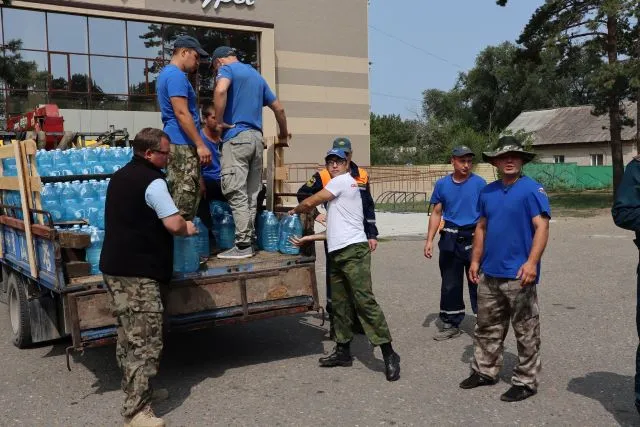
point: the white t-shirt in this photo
(345, 219)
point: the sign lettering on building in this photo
(216, 3)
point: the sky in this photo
(447, 35)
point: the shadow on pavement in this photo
(362, 350)
(192, 357)
(613, 391)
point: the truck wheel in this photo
(18, 312)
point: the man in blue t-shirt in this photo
(181, 121)
(509, 240)
(239, 96)
(210, 172)
(455, 198)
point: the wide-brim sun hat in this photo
(508, 144)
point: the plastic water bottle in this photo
(226, 232)
(9, 166)
(259, 227)
(270, 232)
(191, 256)
(51, 202)
(76, 161)
(289, 226)
(44, 162)
(178, 250)
(203, 237)
(93, 251)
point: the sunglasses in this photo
(335, 162)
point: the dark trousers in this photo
(213, 192)
(454, 260)
(637, 378)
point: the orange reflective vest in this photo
(362, 179)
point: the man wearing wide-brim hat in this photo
(508, 243)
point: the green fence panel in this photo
(570, 176)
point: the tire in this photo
(18, 311)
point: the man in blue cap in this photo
(239, 96)
(455, 197)
(181, 119)
(350, 271)
(320, 179)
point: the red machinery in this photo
(45, 117)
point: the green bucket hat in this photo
(508, 144)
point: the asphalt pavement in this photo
(266, 373)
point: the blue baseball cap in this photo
(223, 52)
(462, 150)
(342, 143)
(336, 152)
(190, 43)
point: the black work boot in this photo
(341, 356)
(392, 366)
(517, 393)
(477, 380)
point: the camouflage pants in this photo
(183, 179)
(241, 174)
(501, 301)
(351, 289)
(137, 305)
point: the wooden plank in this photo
(282, 173)
(74, 240)
(25, 209)
(94, 310)
(287, 284)
(34, 184)
(203, 297)
(36, 229)
(77, 268)
(9, 183)
(6, 151)
(270, 197)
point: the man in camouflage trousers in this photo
(507, 271)
(136, 258)
(181, 119)
(350, 266)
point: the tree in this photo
(603, 28)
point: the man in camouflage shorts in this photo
(350, 267)
(136, 258)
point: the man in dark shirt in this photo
(137, 256)
(626, 214)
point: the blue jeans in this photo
(454, 265)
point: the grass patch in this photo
(580, 204)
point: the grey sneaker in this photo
(447, 332)
(237, 253)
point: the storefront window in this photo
(33, 35)
(67, 33)
(107, 37)
(109, 75)
(98, 63)
(144, 40)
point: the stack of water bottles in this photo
(81, 161)
(274, 235)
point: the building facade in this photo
(98, 60)
(574, 135)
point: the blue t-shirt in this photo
(509, 237)
(247, 94)
(459, 200)
(174, 82)
(211, 172)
